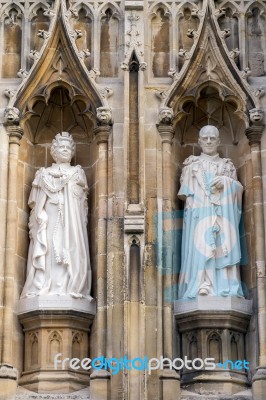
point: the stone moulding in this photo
(214, 304)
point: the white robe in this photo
(58, 259)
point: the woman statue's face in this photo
(63, 152)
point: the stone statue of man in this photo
(210, 241)
(58, 259)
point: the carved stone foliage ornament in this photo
(134, 44)
(58, 259)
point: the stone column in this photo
(254, 133)
(8, 373)
(169, 378)
(101, 378)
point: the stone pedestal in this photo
(213, 327)
(55, 326)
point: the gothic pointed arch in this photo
(209, 66)
(11, 21)
(110, 34)
(160, 40)
(255, 38)
(59, 72)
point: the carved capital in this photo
(104, 116)
(15, 133)
(254, 134)
(166, 132)
(102, 133)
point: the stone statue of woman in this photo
(58, 259)
(210, 241)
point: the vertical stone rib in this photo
(133, 142)
(3, 210)
(166, 133)
(254, 135)
(15, 134)
(102, 133)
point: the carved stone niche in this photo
(213, 328)
(55, 326)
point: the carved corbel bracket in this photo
(11, 123)
(104, 116)
(165, 117)
(256, 116)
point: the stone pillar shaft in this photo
(15, 134)
(254, 135)
(4, 147)
(166, 133)
(102, 134)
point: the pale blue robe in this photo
(210, 240)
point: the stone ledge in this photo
(211, 303)
(246, 395)
(134, 223)
(24, 394)
(55, 304)
(133, 5)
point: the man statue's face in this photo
(63, 151)
(209, 141)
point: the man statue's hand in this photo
(217, 183)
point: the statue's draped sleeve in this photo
(38, 221)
